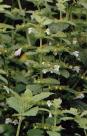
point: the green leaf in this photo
(6, 130)
(67, 118)
(15, 103)
(72, 111)
(23, 103)
(41, 96)
(1, 1)
(35, 132)
(34, 88)
(82, 122)
(3, 79)
(2, 72)
(57, 103)
(5, 26)
(52, 133)
(47, 81)
(84, 113)
(31, 112)
(64, 73)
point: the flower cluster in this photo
(9, 121)
(48, 31)
(77, 69)
(55, 69)
(75, 53)
(31, 30)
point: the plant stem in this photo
(55, 118)
(85, 132)
(19, 126)
(60, 15)
(28, 39)
(19, 4)
(41, 75)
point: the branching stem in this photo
(19, 126)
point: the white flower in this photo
(8, 120)
(56, 68)
(18, 52)
(77, 69)
(75, 53)
(50, 115)
(77, 134)
(49, 103)
(80, 96)
(70, 67)
(74, 41)
(51, 71)
(15, 122)
(2, 104)
(55, 53)
(50, 43)
(44, 71)
(30, 30)
(47, 31)
(43, 63)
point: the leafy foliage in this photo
(43, 62)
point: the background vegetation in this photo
(43, 67)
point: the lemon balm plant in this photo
(43, 51)
(24, 104)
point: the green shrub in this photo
(43, 62)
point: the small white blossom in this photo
(50, 115)
(70, 67)
(55, 53)
(50, 43)
(8, 120)
(56, 68)
(43, 63)
(51, 71)
(80, 96)
(75, 53)
(47, 31)
(49, 103)
(18, 52)
(77, 69)
(30, 30)
(44, 71)
(15, 122)
(74, 41)
(77, 134)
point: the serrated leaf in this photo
(34, 88)
(31, 112)
(57, 103)
(15, 103)
(41, 96)
(72, 111)
(84, 113)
